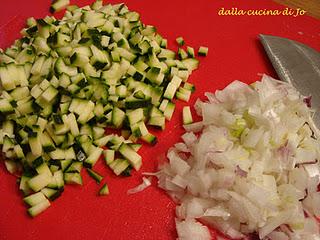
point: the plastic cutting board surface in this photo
(234, 53)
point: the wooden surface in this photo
(311, 6)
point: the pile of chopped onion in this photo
(250, 166)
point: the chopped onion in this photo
(252, 169)
(241, 172)
(189, 138)
(146, 182)
(217, 211)
(192, 230)
(307, 101)
(276, 235)
(182, 147)
(193, 127)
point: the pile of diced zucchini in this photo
(65, 81)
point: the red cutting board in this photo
(234, 53)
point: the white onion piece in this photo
(179, 181)
(312, 226)
(193, 127)
(274, 222)
(146, 182)
(198, 107)
(217, 211)
(192, 230)
(178, 165)
(275, 235)
(189, 138)
(211, 97)
(182, 147)
(254, 160)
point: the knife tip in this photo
(262, 36)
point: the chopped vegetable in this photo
(67, 80)
(146, 182)
(34, 199)
(182, 54)
(96, 176)
(203, 51)
(180, 41)
(186, 115)
(39, 208)
(189, 86)
(104, 190)
(190, 230)
(253, 167)
(190, 51)
(58, 5)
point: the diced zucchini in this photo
(183, 94)
(115, 142)
(5, 106)
(118, 117)
(190, 51)
(24, 187)
(65, 164)
(58, 5)
(72, 178)
(6, 81)
(139, 129)
(69, 79)
(93, 157)
(119, 165)
(58, 154)
(75, 166)
(166, 54)
(180, 41)
(134, 158)
(51, 194)
(150, 138)
(97, 132)
(182, 54)
(135, 116)
(109, 155)
(172, 87)
(190, 63)
(157, 121)
(58, 176)
(169, 110)
(34, 199)
(104, 190)
(38, 182)
(96, 176)
(39, 208)
(100, 142)
(43, 169)
(61, 67)
(186, 115)
(189, 86)
(203, 51)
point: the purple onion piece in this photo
(240, 172)
(307, 101)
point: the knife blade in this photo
(298, 65)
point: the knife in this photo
(298, 65)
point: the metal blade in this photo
(297, 64)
